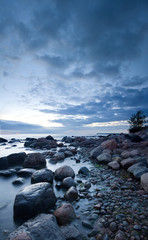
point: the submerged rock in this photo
(42, 227)
(34, 199)
(3, 140)
(3, 163)
(25, 172)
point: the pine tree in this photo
(137, 122)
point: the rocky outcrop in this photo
(34, 199)
(63, 172)
(41, 143)
(65, 214)
(43, 227)
(43, 175)
(35, 160)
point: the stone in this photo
(43, 143)
(43, 175)
(104, 158)
(109, 144)
(144, 182)
(59, 155)
(71, 194)
(114, 165)
(3, 163)
(83, 170)
(126, 163)
(120, 235)
(63, 172)
(125, 154)
(3, 140)
(68, 153)
(68, 182)
(136, 138)
(87, 224)
(96, 152)
(138, 169)
(113, 226)
(35, 160)
(70, 232)
(65, 214)
(16, 158)
(18, 181)
(34, 199)
(49, 137)
(25, 172)
(134, 153)
(42, 227)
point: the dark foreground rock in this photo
(43, 227)
(3, 140)
(35, 160)
(16, 158)
(3, 163)
(43, 175)
(63, 172)
(34, 199)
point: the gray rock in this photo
(144, 181)
(114, 165)
(68, 182)
(83, 170)
(63, 172)
(43, 175)
(43, 227)
(87, 224)
(113, 226)
(16, 158)
(96, 152)
(71, 194)
(65, 214)
(104, 158)
(70, 232)
(138, 169)
(34, 199)
(25, 172)
(68, 153)
(125, 154)
(3, 163)
(120, 235)
(18, 181)
(126, 163)
(59, 155)
(35, 160)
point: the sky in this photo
(72, 67)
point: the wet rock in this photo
(87, 224)
(59, 155)
(70, 232)
(144, 181)
(63, 172)
(65, 214)
(120, 235)
(113, 226)
(49, 137)
(125, 154)
(25, 172)
(43, 143)
(138, 169)
(96, 152)
(3, 163)
(136, 138)
(134, 153)
(34, 199)
(71, 194)
(68, 153)
(114, 165)
(3, 140)
(104, 158)
(42, 227)
(83, 170)
(67, 139)
(16, 158)
(68, 182)
(109, 144)
(35, 160)
(18, 181)
(6, 173)
(126, 163)
(43, 175)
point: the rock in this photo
(126, 163)
(83, 170)
(67, 139)
(70, 232)
(18, 181)
(43, 175)
(144, 181)
(3, 140)
(68, 182)
(87, 224)
(6, 173)
(25, 172)
(34, 199)
(104, 158)
(3, 163)
(35, 160)
(113, 226)
(120, 235)
(134, 153)
(125, 154)
(114, 165)
(138, 169)
(136, 138)
(42, 227)
(71, 194)
(63, 172)
(68, 153)
(109, 144)
(95, 152)
(16, 158)
(43, 143)
(59, 155)
(49, 137)
(65, 214)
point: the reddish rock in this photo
(71, 194)
(65, 214)
(109, 144)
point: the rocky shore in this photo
(106, 200)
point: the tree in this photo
(137, 122)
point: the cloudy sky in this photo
(72, 67)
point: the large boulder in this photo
(68, 182)
(104, 158)
(16, 158)
(3, 163)
(144, 181)
(65, 214)
(83, 170)
(138, 169)
(70, 232)
(63, 172)
(35, 160)
(71, 194)
(109, 144)
(41, 143)
(3, 140)
(126, 163)
(42, 227)
(34, 199)
(59, 155)
(96, 152)
(43, 175)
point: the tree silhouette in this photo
(137, 122)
